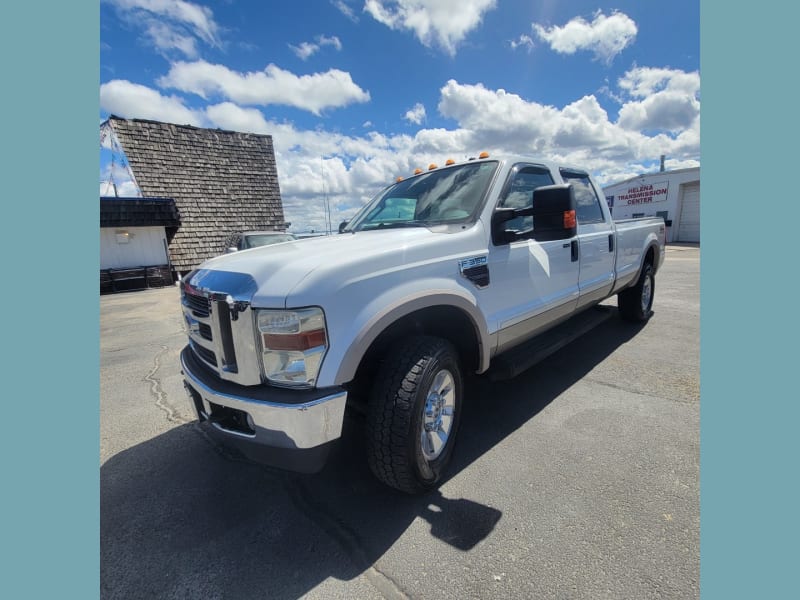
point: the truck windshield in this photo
(449, 195)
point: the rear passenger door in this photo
(596, 239)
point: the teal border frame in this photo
(50, 301)
(749, 500)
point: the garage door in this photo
(689, 226)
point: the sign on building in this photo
(647, 193)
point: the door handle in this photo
(610, 242)
(574, 250)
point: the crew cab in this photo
(447, 272)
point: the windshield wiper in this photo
(399, 224)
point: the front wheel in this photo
(636, 303)
(414, 413)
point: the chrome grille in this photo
(206, 354)
(224, 340)
(199, 305)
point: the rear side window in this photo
(519, 193)
(588, 208)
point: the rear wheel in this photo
(636, 303)
(414, 414)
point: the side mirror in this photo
(554, 213)
(342, 225)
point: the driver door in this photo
(533, 283)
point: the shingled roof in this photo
(221, 181)
(138, 212)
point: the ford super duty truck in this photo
(442, 274)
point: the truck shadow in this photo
(182, 517)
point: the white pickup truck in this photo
(459, 269)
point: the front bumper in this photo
(291, 429)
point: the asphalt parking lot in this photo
(577, 479)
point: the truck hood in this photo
(267, 276)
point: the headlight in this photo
(293, 344)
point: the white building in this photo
(674, 195)
(134, 235)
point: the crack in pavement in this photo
(647, 394)
(158, 392)
(330, 524)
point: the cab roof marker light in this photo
(449, 162)
(483, 155)
(432, 166)
(417, 171)
(399, 179)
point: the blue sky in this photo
(355, 93)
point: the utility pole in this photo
(326, 206)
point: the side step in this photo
(523, 357)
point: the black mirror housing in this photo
(342, 225)
(554, 213)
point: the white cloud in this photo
(442, 23)
(522, 41)
(307, 49)
(171, 24)
(120, 188)
(350, 169)
(231, 117)
(304, 50)
(605, 36)
(416, 114)
(497, 118)
(166, 38)
(115, 180)
(663, 99)
(273, 85)
(346, 10)
(366, 124)
(642, 81)
(330, 41)
(580, 132)
(131, 100)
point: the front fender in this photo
(353, 336)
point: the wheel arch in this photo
(448, 316)
(651, 255)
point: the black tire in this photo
(407, 382)
(636, 303)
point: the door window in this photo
(519, 193)
(587, 208)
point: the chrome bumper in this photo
(262, 415)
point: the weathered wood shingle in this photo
(221, 181)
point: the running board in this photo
(523, 357)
